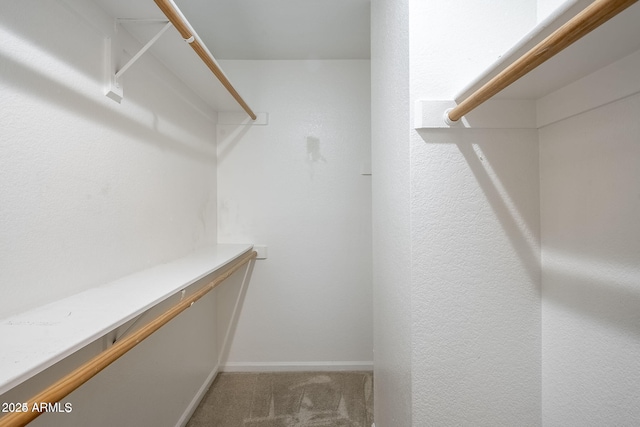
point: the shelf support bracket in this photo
(146, 47)
(114, 90)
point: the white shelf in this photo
(600, 68)
(610, 42)
(37, 339)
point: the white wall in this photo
(476, 296)
(455, 41)
(296, 186)
(391, 198)
(547, 7)
(590, 205)
(474, 232)
(91, 190)
(475, 359)
(456, 227)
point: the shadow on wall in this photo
(38, 16)
(500, 180)
(604, 291)
(600, 289)
(229, 138)
(32, 82)
(524, 235)
(32, 42)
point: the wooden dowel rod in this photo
(84, 373)
(594, 15)
(183, 28)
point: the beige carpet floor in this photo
(300, 399)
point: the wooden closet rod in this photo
(57, 391)
(178, 21)
(594, 15)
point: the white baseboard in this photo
(296, 366)
(193, 405)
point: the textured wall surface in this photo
(474, 232)
(453, 42)
(590, 200)
(391, 196)
(476, 296)
(296, 186)
(92, 190)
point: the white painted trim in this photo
(493, 114)
(609, 84)
(296, 366)
(193, 405)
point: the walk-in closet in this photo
(296, 213)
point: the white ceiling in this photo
(268, 29)
(281, 29)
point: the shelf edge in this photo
(37, 339)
